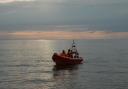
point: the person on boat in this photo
(69, 53)
(63, 53)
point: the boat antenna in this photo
(73, 43)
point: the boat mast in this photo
(74, 49)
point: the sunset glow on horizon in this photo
(64, 35)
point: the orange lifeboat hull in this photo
(63, 60)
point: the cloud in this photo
(64, 35)
(71, 2)
(10, 1)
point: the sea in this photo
(27, 64)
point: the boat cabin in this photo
(72, 52)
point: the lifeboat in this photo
(69, 58)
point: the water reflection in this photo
(65, 67)
(64, 75)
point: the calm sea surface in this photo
(27, 64)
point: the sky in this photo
(63, 19)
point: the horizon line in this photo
(63, 35)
